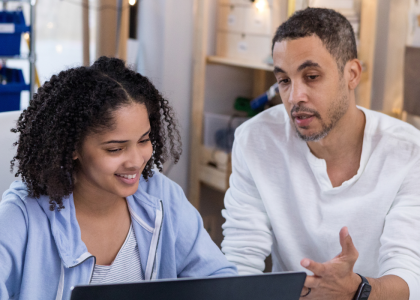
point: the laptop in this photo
(269, 286)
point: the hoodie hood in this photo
(65, 227)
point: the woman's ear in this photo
(75, 155)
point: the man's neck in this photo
(342, 147)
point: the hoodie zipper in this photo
(93, 267)
(154, 261)
(157, 244)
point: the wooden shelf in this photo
(239, 63)
(204, 172)
(215, 168)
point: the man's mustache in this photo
(297, 109)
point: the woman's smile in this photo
(129, 179)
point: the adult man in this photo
(317, 164)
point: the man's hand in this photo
(334, 279)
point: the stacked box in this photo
(245, 28)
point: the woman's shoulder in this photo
(16, 203)
(14, 198)
(161, 187)
(13, 214)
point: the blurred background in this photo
(209, 58)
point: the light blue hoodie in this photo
(42, 255)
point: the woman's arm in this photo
(13, 237)
(196, 254)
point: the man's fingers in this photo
(317, 268)
(312, 282)
(347, 245)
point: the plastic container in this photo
(219, 130)
(12, 25)
(10, 92)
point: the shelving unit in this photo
(201, 60)
(31, 57)
(239, 63)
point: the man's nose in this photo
(298, 93)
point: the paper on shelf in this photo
(7, 28)
(334, 4)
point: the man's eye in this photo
(313, 77)
(284, 81)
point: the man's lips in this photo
(301, 115)
(303, 120)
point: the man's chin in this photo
(307, 136)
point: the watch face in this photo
(366, 288)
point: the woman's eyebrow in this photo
(114, 142)
(150, 129)
(125, 141)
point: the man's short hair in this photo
(334, 30)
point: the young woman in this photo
(91, 209)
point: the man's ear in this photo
(354, 72)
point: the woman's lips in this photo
(129, 181)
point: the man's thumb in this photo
(348, 248)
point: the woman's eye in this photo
(313, 77)
(113, 150)
(144, 141)
(284, 81)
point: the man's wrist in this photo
(355, 283)
(363, 292)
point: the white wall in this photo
(165, 57)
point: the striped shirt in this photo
(125, 268)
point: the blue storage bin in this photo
(12, 25)
(10, 92)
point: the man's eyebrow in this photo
(308, 64)
(278, 70)
(122, 142)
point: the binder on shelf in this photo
(11, 85)
(12, 25)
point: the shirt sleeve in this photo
(400, 242)
(247, 230)
(13, 237)
(196, 253)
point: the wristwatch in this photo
(364, 289)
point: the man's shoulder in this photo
(273, 119)
(392, 129)
(393, 138)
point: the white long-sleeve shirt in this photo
(281, 200)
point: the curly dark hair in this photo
(334, 30)
(78, 102)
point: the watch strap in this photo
(363, 292)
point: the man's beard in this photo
(335, 112)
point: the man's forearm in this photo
(389, 287)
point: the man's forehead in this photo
(300, 44)
(293, 53)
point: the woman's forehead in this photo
(129, 122)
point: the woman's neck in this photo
(94, 201)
